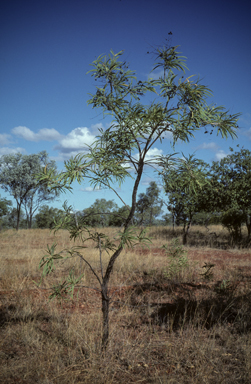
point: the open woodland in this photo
(178, 314)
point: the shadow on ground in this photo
(174, 306)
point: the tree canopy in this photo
(18, 177)
(99, 213)
(231, 181)
(183, 201)
(48, 216)
(149, 204)
(179, 108)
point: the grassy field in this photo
(174, 319)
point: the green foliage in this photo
(48, 261)
(4, 211)
(183, 184)
(48, 216)
(177, 260)
(231, 194)
(205, 218)
(4, 206)
(223, 288)
(10, 220)
(119, 216)
(99, 213)
(18, 177)
(148, 206)
(232, 219)
(179, 108)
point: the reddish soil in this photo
(145, 289)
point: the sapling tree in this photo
(179, 108)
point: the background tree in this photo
(99, 213)
(18, 178)
(11, 219)
(185, 202)
(48, 216)
(179, 107)
(231, 181)
(149, 205)
(4, 210)
(119, 216)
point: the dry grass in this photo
(165, 328)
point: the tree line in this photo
(221, 194)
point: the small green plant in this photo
(226, 288)
(177, 258)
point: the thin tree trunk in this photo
(109, 268)
(105, 312)
(248, 225)
(185, 232)
(18, 215)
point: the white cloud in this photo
(77, 139)
(150, 157)
(48, 134)
(4, 138)
(153, 153)
(90, 189)
(11, 151)
(44, 134)
(220, 155)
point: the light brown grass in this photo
(180, 330)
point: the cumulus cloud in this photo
(153, 153)
(76, 141)
(44, 134)
(220, 155)
(150, 157)
(11, 151)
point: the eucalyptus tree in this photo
(4, 209)
(179, 108)
(149, 204)
(47, 216)
(231, 179)
(4, 206)
(184, 202)
(99, 213)
(18, 178)
(119, 216)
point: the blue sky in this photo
(46, 48)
